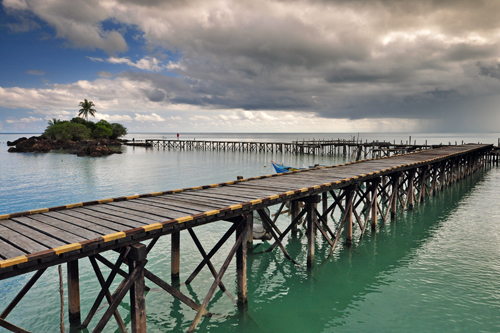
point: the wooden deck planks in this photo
(20, 241)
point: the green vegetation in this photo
(80, 129)
(86, 109)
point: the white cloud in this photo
(113, 118)
(30, 119)
(153, 117)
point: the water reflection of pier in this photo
(364, 193)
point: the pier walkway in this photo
(37, 239)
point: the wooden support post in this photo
(310, 235)
(410, 193)
(74, 313)
(324, 199)
(374, 210)
(241, 261)
(395, 190)
(175, 257)
(294, 207)
(136, 256)
(348, 220)
(249, 220)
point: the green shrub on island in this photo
(80, 129)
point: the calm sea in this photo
(434, 269)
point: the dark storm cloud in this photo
(490, 71)
(338, 59)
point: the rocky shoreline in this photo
(92, 148)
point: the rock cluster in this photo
(93, 148)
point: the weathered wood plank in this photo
(21, 241)
(43, 238)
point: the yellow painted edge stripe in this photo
(104, 201)
(132, 197)
(256, 201)
(212, 212)
(305, 189)
(197, 188)
(154, 194)
(67, 248)
(5, 216)
(185, 219)
(177, 191)
(13, 261)
(289, 193)
(327, 184)
(229, 183)
(116, 235)
(233, 207)
(316, 187)
(75, 205)
(338, 182)
(214, 185)
(272, 197)
(267, 176)
(153, 226)
(38, 211)
(244, 180)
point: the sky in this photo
(253, 66)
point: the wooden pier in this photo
(365, 193)
(354, 149)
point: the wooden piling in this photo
(136, 256)
(348, 219)
(241, 261)
(294, 208)
(175, 256)
(74, 312)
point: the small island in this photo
(78, 136)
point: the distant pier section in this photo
(354, 148)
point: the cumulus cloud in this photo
(147, 63)
(152, 117)
(30, 119)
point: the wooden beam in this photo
(175, 257)
(109, 298)
(310, 234)
(22, 293)
(243, 231)
(136, 257)
(348, 213)
(216, 283)
(74, 312)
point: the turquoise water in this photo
(433, 269)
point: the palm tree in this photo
(53, 121)
(86, 109)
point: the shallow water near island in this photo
(433, 269)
